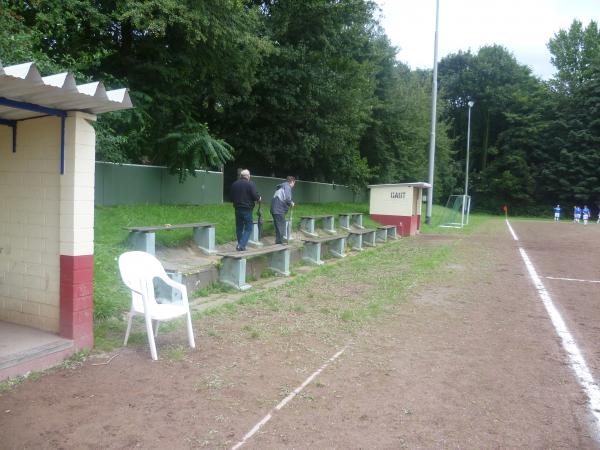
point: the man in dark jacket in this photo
(243, 196)
(282, 201)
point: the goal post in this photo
(457, 211)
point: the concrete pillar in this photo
(77, 230)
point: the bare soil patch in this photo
(467, 360)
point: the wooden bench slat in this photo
(254, 252)
(169, 227)
(323, 238)
(385, 227)
(320, 216)
(361, 230)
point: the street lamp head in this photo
(471, 103)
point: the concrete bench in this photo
(348, 220)
(254, 236)
(311, 251)
(307, 224)
(385, 232)
(144, 238)
(233, 271)
(357, 237)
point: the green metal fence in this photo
(310, 192)
(128, 184)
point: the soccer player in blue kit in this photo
(576, 214)
(557, 212)
(585, 212)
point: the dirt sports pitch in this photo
(433, 342)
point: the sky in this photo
(524, 27)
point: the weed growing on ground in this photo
(174, 353)
(212, 289)
(10, 383)
(345, 295)
(268, 273)
(251, 331)
(75, 360)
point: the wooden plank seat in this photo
(385, 232)
(348, 220)
(311, 250)
(255, 238)
(144, 238)
(359, 236)
(307, 224)
(233, 271)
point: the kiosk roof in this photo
(419, 184)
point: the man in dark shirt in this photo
(243, 196)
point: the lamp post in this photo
(428, 211)
(466, 206)
(471, 103)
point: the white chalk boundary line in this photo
(573, 279)
(574, 355)
(514, 235)
(287, 399)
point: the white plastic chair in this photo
(138, 270)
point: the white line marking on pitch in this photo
(576, 359)
(573, 279)
(284, 402)
(512, 231)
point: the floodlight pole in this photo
(465, 206)
(433, 117)
(471, 103)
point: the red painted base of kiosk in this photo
(76, 299)
(405, 225)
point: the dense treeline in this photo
(533, 143)
(310, 88)
(314, 88)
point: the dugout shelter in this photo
(398, 204)
(47, 163)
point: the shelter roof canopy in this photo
(23, 83)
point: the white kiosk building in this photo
(47, 164)
(398, 204)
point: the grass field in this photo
(111, 297)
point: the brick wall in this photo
(29, 224)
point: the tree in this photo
(501, 121)
(309, 88)
(569, 162)
(314, 92)
(575, 54)
(183, 60)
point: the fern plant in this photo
(191, 147)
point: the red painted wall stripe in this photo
(405, 225)
(77, 299)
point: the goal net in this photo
(456, 212)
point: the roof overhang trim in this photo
(23, 83)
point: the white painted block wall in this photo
(29, 224)
(43, 214)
